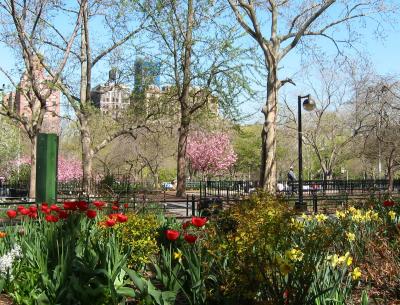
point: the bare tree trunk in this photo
(181, 160)
(32, 179)
(268, 136)
(87, 156)
(183, 100)
(390, 171)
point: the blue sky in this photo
(383, 54)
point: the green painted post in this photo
(46, 168)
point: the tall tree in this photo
(118, 30)
(199, 60)
(278, 26)
(23, 24)
(381, 141)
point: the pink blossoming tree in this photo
(210, 154)
(68, 169)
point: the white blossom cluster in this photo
(7, 260)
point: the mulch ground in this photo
(5, 300)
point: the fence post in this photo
(193, 206)
(315, 202)
(187, 205)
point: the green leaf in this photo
(43, 299)
(2, 283)
(126, 292)
(137, 280)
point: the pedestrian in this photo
(291, 179)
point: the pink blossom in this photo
(210, 153)
(68, 169)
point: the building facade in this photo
(25, 103)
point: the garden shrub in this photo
(139, 236)
(265, 254)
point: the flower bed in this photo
(256, 253)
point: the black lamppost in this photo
(308, 105)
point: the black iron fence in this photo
(191, 205)
(351, 187)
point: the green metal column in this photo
(46, 168)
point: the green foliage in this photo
(65, 263)
(167, 174)
(263, 252)
(21, 176)
(139, 236)
(247, 145)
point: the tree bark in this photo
(181, 159)
(87, 157)
(268, 135)
(390, 171)
(183, 100)
(32, 179)
(87, 154)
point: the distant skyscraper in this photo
(147, 73)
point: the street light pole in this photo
(308, 105)
(300, 140)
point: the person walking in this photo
(291, 179)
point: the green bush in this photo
(265, 254)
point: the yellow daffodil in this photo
(178, 255)
(345, 259)
(349, 261)
(392, 215)
(356, 274)
(284, 266)
(353, 210)
(294, 254)
(334, 259)
(296, 224)
(350, 236)
(340, 214)
(321, 217)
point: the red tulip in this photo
(33, 215)
(191, 239)
(99, 204)
(55, 208)
(70, 205)
(12, 213)
(172, 234)
(45, 208)
(199, 221)
(63, 215)
(122, 218)
(388, 203)
(20, 207)
(33, 208)
(91, 214)
(25, 211)
(115, 208)
(110, 222)
(82, 205)
(51, 218)
(126, 205)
